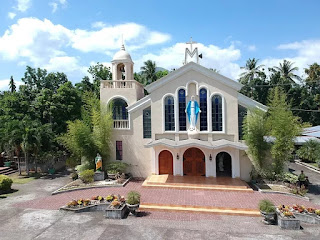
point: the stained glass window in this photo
(216, 113)
(182, 108)
(203, 108)
(169, 114)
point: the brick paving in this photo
(229, 199)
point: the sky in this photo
(70, 35)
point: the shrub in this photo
(117, 167)
(267, 206)
(87, 176)
(291, 178)
(5, 183)
(72, 162)
(74, 176)
(310, 151)
(133, 198)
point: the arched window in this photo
(242, 112)
(182, 109)
(120, 109)
(169, 113)
(203, 108)
(216, 113)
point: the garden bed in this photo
(78, 184)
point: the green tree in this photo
(12, 85)
(254, 81)
(91, 135)
(161, 74)
(283, 127)
(149, 71)
(287, 72)
(99, 72)
(310, 151)
(255, 129)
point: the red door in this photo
(165, 162)
(194, 162)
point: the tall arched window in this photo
(182, 109)
(242, 112)
(203, 108)
(169, 113)
(120, 109)
(217, 124)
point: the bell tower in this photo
(122, 65)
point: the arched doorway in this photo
(194, 162)
(224, 165)
(165, 162)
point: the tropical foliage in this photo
(310, 151)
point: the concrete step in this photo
(200, 209)
(7, 171)
(199, 187)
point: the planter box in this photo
(120, 213)
(89, 208)
(307, 217)
(288, 223)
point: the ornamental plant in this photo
(133, 198)
(266, 206)
(5, 183)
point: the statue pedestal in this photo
(98, 176)
(193, 134)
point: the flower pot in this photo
(51, 170)
(269, 218)
(7, 164)
(133, 208)
(116, 213)
(288, 223)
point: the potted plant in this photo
(133, 201)
(268, 211)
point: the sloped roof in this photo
(198, 68)
(250, 103)
(197, 143)
(312, 131)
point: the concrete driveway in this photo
(27, 223)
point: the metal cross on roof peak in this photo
(191, 42)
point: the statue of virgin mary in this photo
(192, 110)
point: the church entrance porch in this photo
(223, 165)
(194, 162)
(196, 182)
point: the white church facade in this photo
(158, 134)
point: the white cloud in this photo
(98, 25)
(35, 40)
(11, 15)
(4, 84)
(252, 48)
(23, 5)
(307, 52)
(54, 6)
(222, 59)
(56, 3)
(109, 38)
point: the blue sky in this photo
(69, 35)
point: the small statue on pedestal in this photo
(98, 161)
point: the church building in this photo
(189, 123)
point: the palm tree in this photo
(252, 70)
(286, 71)
(149, 71)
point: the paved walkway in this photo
(314, 178)
(230, 199)
(33, 221)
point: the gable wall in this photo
(230, 96)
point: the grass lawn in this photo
(314, 164)
(22, 179)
